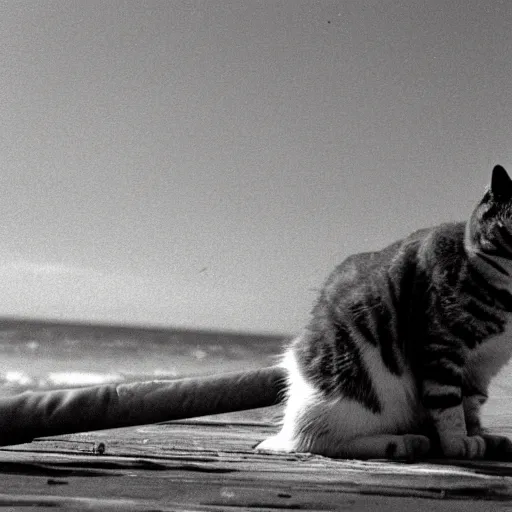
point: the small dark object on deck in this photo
(100, 449)
(54, 481)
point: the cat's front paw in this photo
(463, 447)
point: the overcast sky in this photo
(206, 163)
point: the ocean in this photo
(39, 355)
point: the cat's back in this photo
(372, 299)
(396, 265)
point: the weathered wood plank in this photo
(246, 502)
(182, 489)
(209, 464)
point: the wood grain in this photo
(209, 464)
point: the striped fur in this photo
(403, 342)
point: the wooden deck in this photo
(208, 465)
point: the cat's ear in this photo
(501, 184)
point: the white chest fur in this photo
(490, 356)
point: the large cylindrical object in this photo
(46, 413)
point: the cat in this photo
(403, 342)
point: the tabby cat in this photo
(402, 344)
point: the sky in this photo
(205, 164)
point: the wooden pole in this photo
(47, 413)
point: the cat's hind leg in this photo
(343, 428)
(384, 446)
(408, 447)
(322, 428)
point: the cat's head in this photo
(489, 230)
